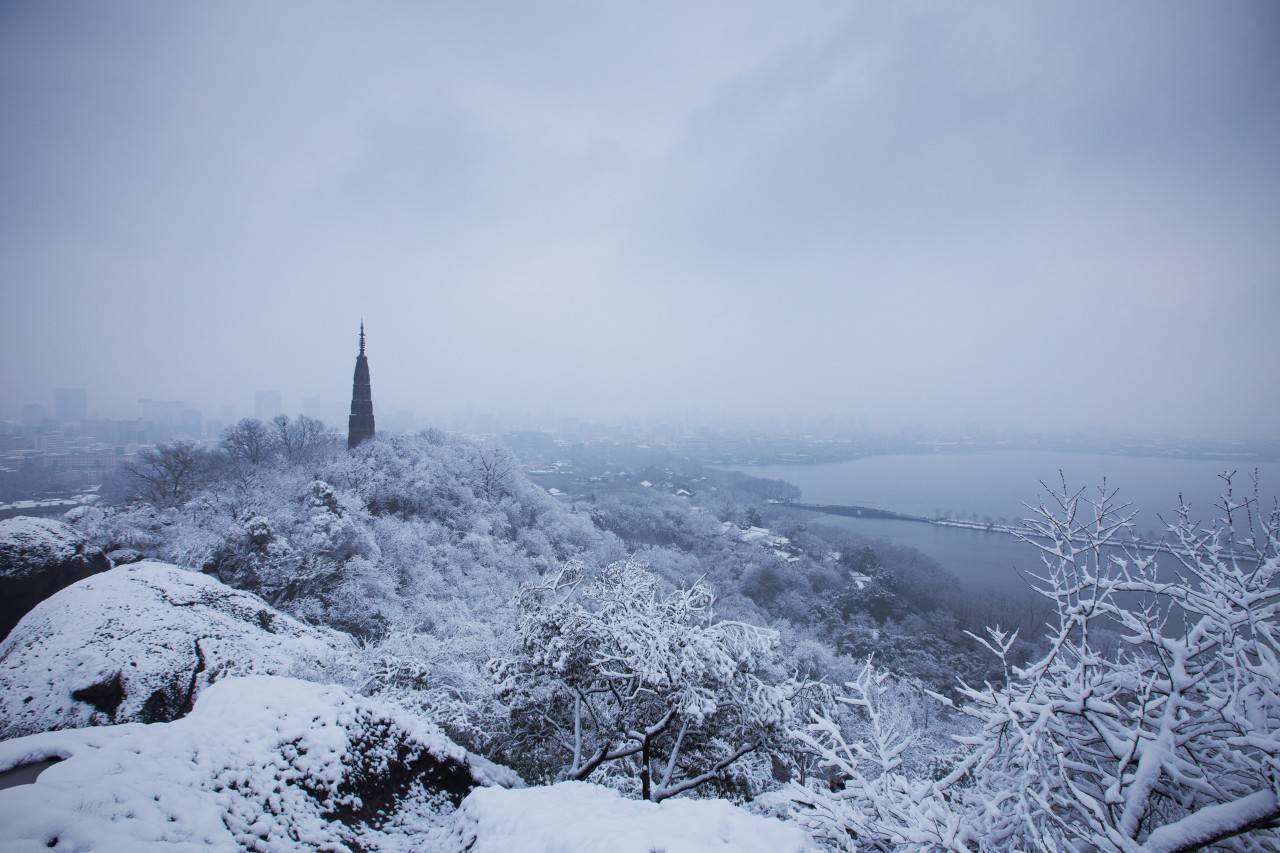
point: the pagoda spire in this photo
(360, 423)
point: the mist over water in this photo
(1001, 483)
(997, 485)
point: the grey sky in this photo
(1031, 215)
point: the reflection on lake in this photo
(977, 557)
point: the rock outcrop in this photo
(261, 763)
(38, 557)
(139, 643)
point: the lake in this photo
(997, 484)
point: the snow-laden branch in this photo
(1149, 722)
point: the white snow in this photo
(28, 544)
(1212, 822)
(761, 536)
(262, 763)
(578, 817)
(144, 621)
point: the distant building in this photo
(360, 422)
(267, 404)
(70, 405)
(51, 442)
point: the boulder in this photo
(139, 643)
(38, 557)
(124, 556)
(261, 763)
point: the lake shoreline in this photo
(995, 491)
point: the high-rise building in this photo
(360, 423)
(70, 405)
(267, 404)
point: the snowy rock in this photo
(139, 643)
(262, 763)
(38, 557)
(577, 817)
(125, 556)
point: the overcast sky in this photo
(1025, 214)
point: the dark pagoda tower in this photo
(360, 424)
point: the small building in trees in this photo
(360, 423)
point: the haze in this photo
(1048, 216)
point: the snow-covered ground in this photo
(262, 763)
(267, 763)
(139, 643)
(778, 544)
(577, 817)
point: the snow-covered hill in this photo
(139, 643)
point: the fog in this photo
(1049, 217)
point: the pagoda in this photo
(360, 424)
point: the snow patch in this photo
(578, 817)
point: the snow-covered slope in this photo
(577, 817)
(38, 557)
(139, 643)
(262, 763)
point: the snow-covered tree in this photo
(882, 802)
(301, 439)
(1150, 722)
(166, 475)
(614, 675)
(249, 441)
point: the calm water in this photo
(997, 484)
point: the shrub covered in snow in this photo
(612, 674)
(139, 643)
(262, 764)
(38, 557)
(576, 817)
